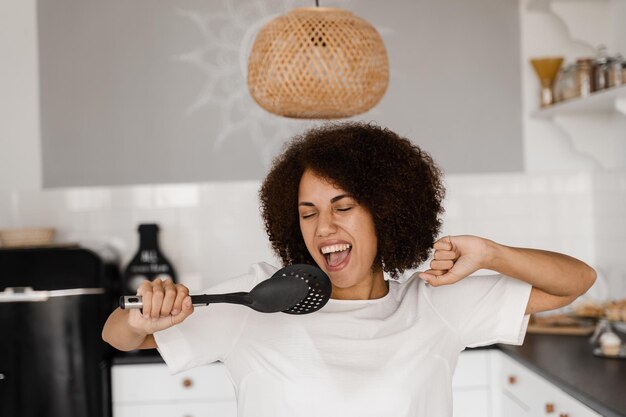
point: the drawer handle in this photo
(549, 408)
(512, 380)
(187, 383)
(564, 415)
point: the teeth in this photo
(335, 248)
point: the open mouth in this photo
(336, 255)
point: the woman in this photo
(359, 201)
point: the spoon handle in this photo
(243, 298)
(135, 301)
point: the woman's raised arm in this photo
(557, 279)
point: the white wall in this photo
(20, 149)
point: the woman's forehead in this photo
(313, 185)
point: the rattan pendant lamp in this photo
(318, 63)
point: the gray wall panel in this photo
(153, 91)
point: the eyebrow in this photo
(332, 200)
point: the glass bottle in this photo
(600, 74)
(565, 86)
(584, 77)
(149, 262)
(615, 72)
(601, 67)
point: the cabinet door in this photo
(472, 370)
(470, 385)
(195, 409)
(567, 406)
(521, 384)
(512, 407)
(471, 403)
(153, 382)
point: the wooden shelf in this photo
(600, 102)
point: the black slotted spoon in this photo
(294, 289)
(318, 283)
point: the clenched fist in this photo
(165, 304)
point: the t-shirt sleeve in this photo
(484, 309)
(211, 332)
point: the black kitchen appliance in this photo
(53, 304)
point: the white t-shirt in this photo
(393, 356)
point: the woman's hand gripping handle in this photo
(165, 304)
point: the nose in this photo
(326, 224)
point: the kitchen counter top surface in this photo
(568, 362)
(137, 357)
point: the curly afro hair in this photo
(397, 182)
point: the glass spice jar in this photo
(600, 69)
(584, 77)
(565, 85)
(615, 77)
(600, 73)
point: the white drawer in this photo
(511, 407)
(197, 409)
(153, 382)
(565, 404)
(525, 386)
(472, 369)
(537, 395)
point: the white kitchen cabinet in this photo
(150, 390)
(512, 407)
(486, 383)
(471, 387)
(525, 393)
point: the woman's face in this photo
(338, 232)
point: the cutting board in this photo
(560, 324)
(564, 330)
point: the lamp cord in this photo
(317, 3)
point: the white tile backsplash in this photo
(212, 231)
(610, 223)
(134, 197)
(171, 196)
(86, 199)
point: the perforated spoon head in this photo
(277, 294)
(319, 287)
